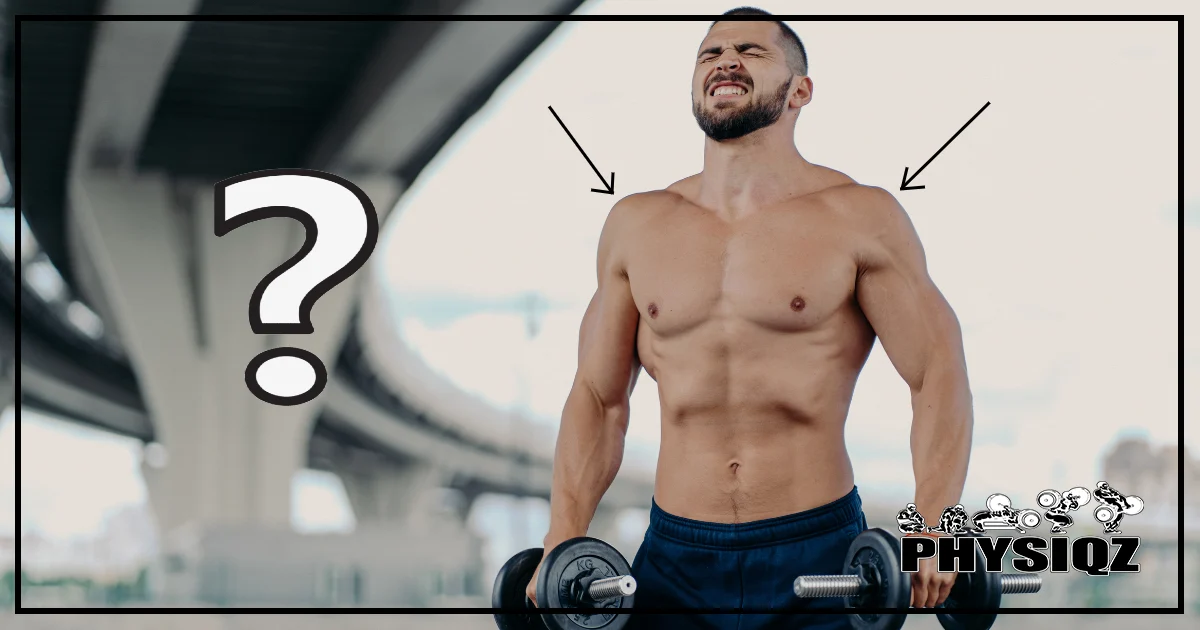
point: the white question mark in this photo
(341, 229)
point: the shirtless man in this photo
(752, 294)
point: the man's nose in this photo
(728, 63)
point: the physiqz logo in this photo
(962, 545)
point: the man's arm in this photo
(922, 337)
(585, 326)
(591, 437)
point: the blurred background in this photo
(150, 476)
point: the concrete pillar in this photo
(392, 493)
(468, 496)
(604, 527)
(604, 524)
(8, 382)
(179, 296)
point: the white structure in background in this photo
(1135, 466)
(8, 553)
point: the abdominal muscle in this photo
(751, 435)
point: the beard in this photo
(729, 122)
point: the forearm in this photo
(591, 442)
(941, 437)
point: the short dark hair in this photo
(793, 48)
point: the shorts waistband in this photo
(813, 522)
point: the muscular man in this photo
(752, 293)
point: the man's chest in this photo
(780, 272)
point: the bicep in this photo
(607, 340)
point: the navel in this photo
(652, 310)
(797, 304)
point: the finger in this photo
(935, 590)
(918, 591)
(944, 591)
(531, 588)
(922, 595)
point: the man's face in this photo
(741, 82)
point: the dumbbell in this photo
(582, 573)
(982, 590)
(872, 579)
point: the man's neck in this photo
(750, 172)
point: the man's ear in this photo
(801, 93)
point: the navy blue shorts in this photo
(748, 567)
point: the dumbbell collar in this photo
(870, 577)
(578, 590)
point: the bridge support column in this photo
(468, 497)
(8, 382)
(606, 525)
(393, 493)
(180, 300)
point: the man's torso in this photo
(750, 327)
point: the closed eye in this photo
(712, 52)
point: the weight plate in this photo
(566, 568)
(875, 555)
(1104, 514)
(1048, 498)
(978, 589)
(509, 591)
(1029, 518)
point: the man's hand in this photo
(930, 588)
(531, 589)
(548, 544)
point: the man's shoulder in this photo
(863, 204)
(843, 189)
(878, 223)
(649, 199)
(627, 218)
(642, 205)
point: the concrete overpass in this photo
(125, 125)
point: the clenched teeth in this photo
(729, 89)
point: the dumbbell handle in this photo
(1013, 583)
(605, 589)
(850, 585)
(828, 586)
(611, 588)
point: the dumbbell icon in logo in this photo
(1058, 504)
(1114, 506)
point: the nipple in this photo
(652, 310)
(797, 304)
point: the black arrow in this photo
(609, 188)
(906, 179)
